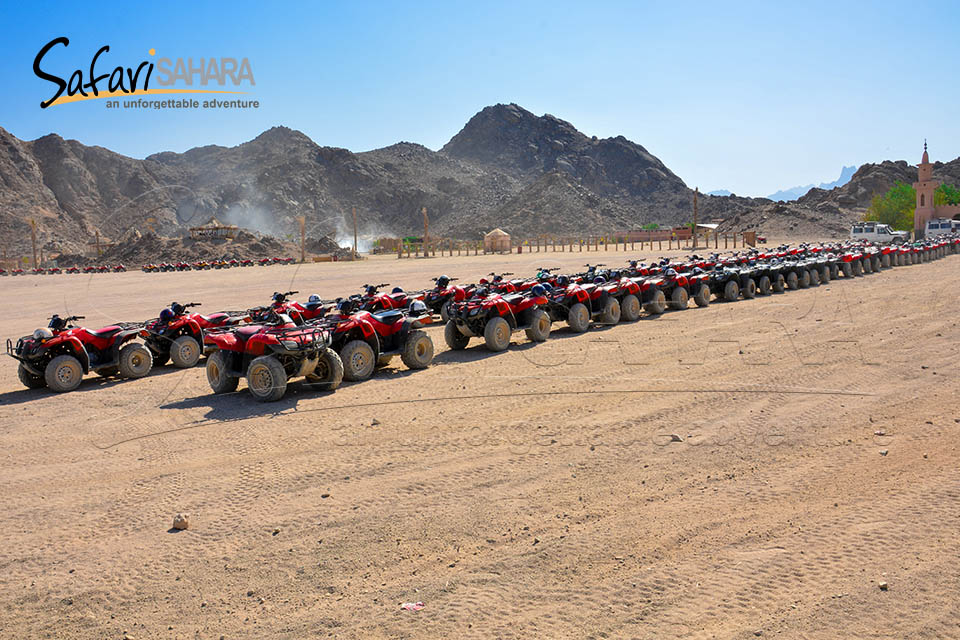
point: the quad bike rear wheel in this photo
(702, 297)
(539, 329)
(857, 267)
(679, 299)
(358, 360)
(763, 287)
(453, 337)
(629, 308)
(30, 380)
(657, 303)
(731, 290)
(135, 361)
(497, 334)
(185, 352)
(847, 270)
(814, 277)
(825, 274)
(804, 279)
(779, 284)
(611, 311)
(578, 318)
(266, 379)
(328, 373)
(793, 282)
(750, 290)
(63, 373)
(885, 261)
(220, 381)
(867, 265)
(445, 311)
(834, 271)
(417, 350)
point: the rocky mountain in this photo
(506, 168)
(875, 179)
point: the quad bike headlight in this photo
(474, 311)
(289, 344)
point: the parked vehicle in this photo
(177, 334)
(877, 232)
(496, 316)
(269, 353)
(58, 356)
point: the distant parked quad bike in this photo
(496, 316)
(443, 294)
(59, 355)
(367, 340)
(178, 335)
(269, 353)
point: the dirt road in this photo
(709, 473)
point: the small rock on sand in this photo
(181, 521)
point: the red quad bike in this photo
(373, 300)
(269, 353)
(367, 340)
(178, 335)
(577, 303)
(299, 313)
(119, 268)
(72, 270)
(496, 316)
(53, 270)
(443, 294)
(59, 355)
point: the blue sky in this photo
(748, 96)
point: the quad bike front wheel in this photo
(657, 303)
(185, 352)
(793, 282)
(417, 350)
(779, 284)
(679, 299)
(857, 268)
(763, 287)
(328, 373)
(454, 337)
(445, 311)
(497, 334)
(30, 380)
(220, 381)
(578, 318)
(750, 290)
(266, 379)
(885, 261)
(825, 274)
(611, 312)
(629, 308)
(847, 270)
(702, 296)
(731, 290)
(804, 279)
(814, 277)
(135, 361)
(867, 265)
(63, 373)
(539, 329)
(358, 360)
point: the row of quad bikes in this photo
(327, 341)
(205, 265)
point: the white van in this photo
(877, 232)
(937, 226)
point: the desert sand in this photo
(536, 493)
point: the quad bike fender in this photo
(72, 346)
(223, 341)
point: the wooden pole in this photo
(98, 243)
(426, 224)
(33, 240)
(303, 238)
(354, 233)
(696, 192)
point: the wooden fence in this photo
(544, 244)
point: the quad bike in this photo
(769, 276)
(851, 263)
(53, 270)
(368, 340)
(373, 300)
(72, 270)
(119, 268)
(578, 303)
(16, 272)
(726, 281)
(269, 353)
(443, 293)
(59, 355)
(178, 334)
(299, 313)
(495, 316)
(90, 269)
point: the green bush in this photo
(895, 207)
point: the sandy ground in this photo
(535, 493)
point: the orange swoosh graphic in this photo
(120, 94)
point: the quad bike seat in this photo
(213, 317)
(106, 332)
(513, 298)
(245, 332)
(589, 288)
(388, 317)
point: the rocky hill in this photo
(507, 167)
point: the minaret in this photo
(924, 186)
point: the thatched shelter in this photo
(497, 241)
(214, 229)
